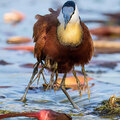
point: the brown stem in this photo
(34, 115)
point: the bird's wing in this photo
(41, 29)
(39, 33)
(87, 44)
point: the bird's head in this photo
(69, 31)
(69, 14)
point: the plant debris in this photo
(109, 107)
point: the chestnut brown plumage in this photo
(62, 44)
(47, 44)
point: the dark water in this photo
(106, 80)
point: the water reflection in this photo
(106, 83)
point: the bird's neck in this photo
(71, 36)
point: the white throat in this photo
(74, 18)
(72, 33)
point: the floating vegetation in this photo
(73, 114)
(6, 112)
(109, 107)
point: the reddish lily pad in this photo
(18, 40)
(25, 48)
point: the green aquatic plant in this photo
(109, 107)
(5, 112)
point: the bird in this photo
(45, 114)
(62, 41)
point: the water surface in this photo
(14, 76)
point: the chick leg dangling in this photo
(85, 80)
(41, 72)
(35, 71)
(65, 92)
(55, 84)
(78, 82)
(51, 83)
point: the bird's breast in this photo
(71, 36)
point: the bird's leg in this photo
(44, 78)
(86, 81)
(78, 82)
(65, 92)
(38, 76)
(55, 82)
(35, 70)
(51, 83)
(56, 77)
(41, 72)
(52, 80)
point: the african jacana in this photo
(42, 115)
(63, 40)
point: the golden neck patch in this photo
(72, 35)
